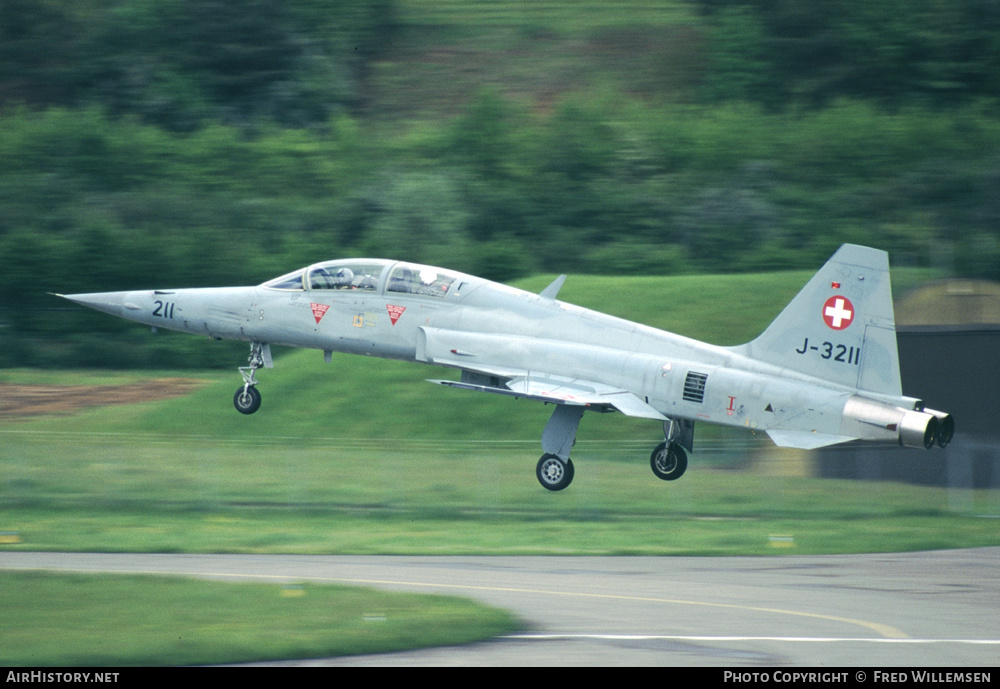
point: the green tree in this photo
(897, 52)
(419, 216)
(738, 64)
(39, 44)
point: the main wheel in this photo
(668, 461)
(553, 473)
(247, 400)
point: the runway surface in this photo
(910, 609)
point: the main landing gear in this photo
(669, 461)
(247, 397)
(555, 469)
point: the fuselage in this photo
(418, 313)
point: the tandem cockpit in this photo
(371, 275)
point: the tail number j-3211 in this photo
(831, 351)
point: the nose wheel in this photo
(247, 399)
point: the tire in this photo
(553, 473)
(668, 461)
(247, 400)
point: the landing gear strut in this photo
(247, 398)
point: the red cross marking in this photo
(838, 312)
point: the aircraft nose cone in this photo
(113, 303)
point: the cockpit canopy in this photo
(368, 275)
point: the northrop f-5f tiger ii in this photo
(825, 371)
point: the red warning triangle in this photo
(319, 310)
(394, 312)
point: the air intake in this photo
(694, 387)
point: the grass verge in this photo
(115, 621)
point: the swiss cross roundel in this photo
(838, 312)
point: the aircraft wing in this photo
(498, 364)
(806, 440)
(559, 390)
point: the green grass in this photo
(162, 494)
(115, 621)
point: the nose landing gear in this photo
(247, 398)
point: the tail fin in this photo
(840, 327)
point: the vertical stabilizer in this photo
(840, 327)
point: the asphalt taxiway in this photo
(920, 609)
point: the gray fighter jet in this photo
(825, 371)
